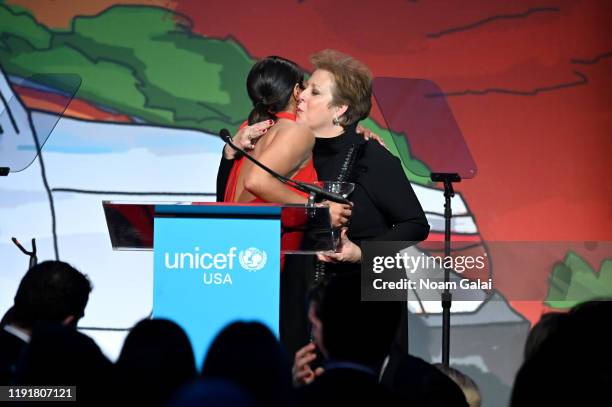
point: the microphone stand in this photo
(446, 297)
(313, 190)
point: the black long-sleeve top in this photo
(225, 167)
(385, 205)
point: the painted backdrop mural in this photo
(143, 88)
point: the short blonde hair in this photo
(353, 84)
(466, 384)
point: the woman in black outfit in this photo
(337, 96)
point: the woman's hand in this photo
(302, 372)
(368, 134)
(347, 251)
(339, 213)
(246, 138)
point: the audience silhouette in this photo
(60, 356)
(156, 359)
(352, 360)
(248, 354)
(354, 338)
(572, 365)
(51, 291)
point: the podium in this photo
(217, 263)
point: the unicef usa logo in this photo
(217, 268)
(253, 259)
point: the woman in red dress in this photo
(274, 85)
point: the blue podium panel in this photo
(210, 271)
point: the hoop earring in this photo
(335, 121)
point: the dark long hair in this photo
(155, 361)
(270, 84)
(248, 354)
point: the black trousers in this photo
(296, 280)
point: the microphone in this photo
(302, 186)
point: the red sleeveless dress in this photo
(305, 174)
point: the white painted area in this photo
(459, 224)
(432, 200)
(435, 307)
